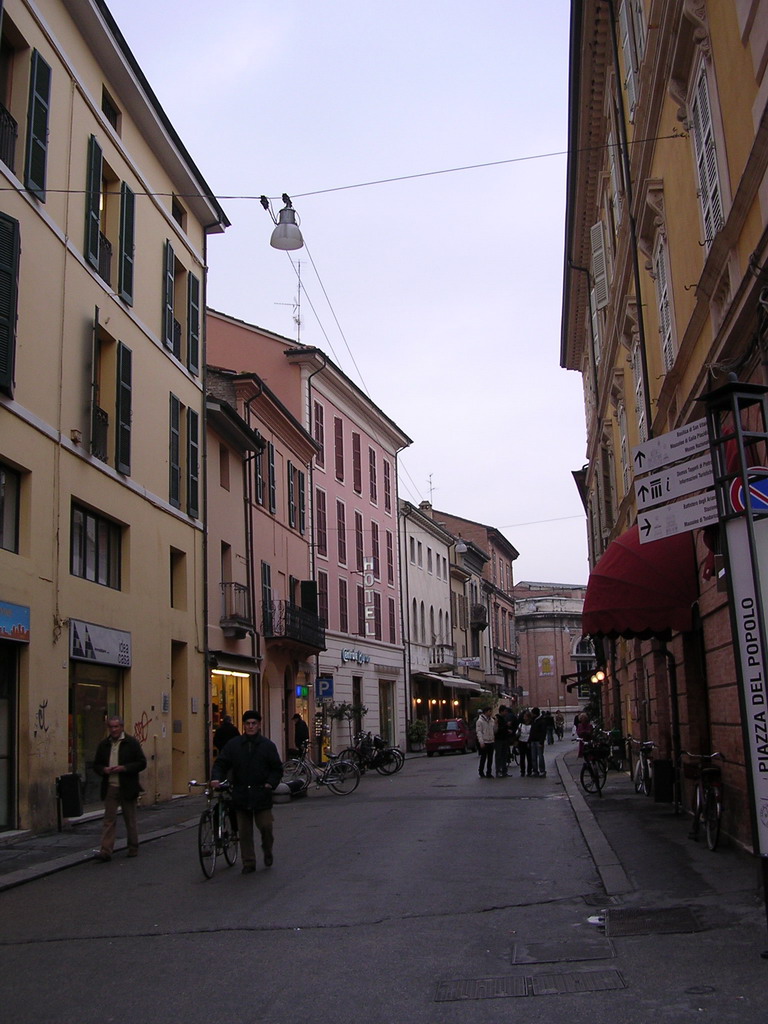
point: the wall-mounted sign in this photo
(324, 687)
(14, 622)
(357, 656)
(546, 665)
(105, 646)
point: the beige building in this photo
(666, 257)
(103, 226)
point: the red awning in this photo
(642, 590)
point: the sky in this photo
(423, 146)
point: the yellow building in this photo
(666, 267)
(103, 226)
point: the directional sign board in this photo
(674, 481)
(678, 517)
(672, 447)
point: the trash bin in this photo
(663, 781)
(69, 789)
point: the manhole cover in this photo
(586, 981)
(480, 988)
(629, 921)
(596, 948)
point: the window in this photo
(258, 468)
(390, 558)
(95, 548)
(637, 376)
(271, 478)
(373, 492)
(111, 389)
(359, 541)
(420, 554)
(110, 110)
(338, 442)
(37, 126)
(392, 621)
(184, 470)
(341, 531)
(429, 561)
(661, 275)
(178, 579)
(321, 522)
(291, 495)
(322, 596)
(360, 611)
(224, 467)
(10, 488)
(178, 213)
(412, 549)
(266, 598)
(123, 409)
(710, 196)
(377, 615)
(599, 266)
(181, 311)
(387, 485)
(375, 551)
(9, 276)
(110, 216)
(343, 607)
(301, 479)
(632, 30)
(357, 465)
(319, 433)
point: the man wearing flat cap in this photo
(253, 764)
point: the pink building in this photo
(351, 493)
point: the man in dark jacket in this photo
(537, 740)
(300, 733)
(225, 732)
(254, 766)
(119, 759)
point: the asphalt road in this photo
(427, 896)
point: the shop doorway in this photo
(8, 685)
(387, 711)
(94, 695)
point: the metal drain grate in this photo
(667, 921)
(480, 988)
(597, 947)
(596, 900)
(586, 981)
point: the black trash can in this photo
(663, 781)
(69, 789)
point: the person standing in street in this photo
(523, 744)
(119, 759)
(537, 740)
(253, 763)
(300, 733)
(501, 742)
(225, 732)
(486, 738)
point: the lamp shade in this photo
(286, 234)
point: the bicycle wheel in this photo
(589, 778)
(342, 777)
(712, 818)
(354, 757)
(230, 840)
(206, 843)
(296, 770)
(637, 778)
(601, 770)
(648, 777)
(390, 761)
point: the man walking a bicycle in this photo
(253, 764)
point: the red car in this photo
(448, 734)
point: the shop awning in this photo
(642, 590)
(454, 682)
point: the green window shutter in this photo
(271, 480)
(92, 203)
(193, 463)
(10, 249)
(169, 267)
(174, 453)
(193, 324)
(127, 233)
(37, 126)
(291, 495)
(302, 503)
(123, 433)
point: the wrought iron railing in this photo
(9, 133)
(105, 258)
(283, 620)
(99, 433)
(236, 608)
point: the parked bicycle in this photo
(340, 776)
(707, 796)
(594, 768)
(370, 751)
(216, 831)
(643, 773)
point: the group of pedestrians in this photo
(498, 735)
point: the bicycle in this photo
(594, 769)
(341, 777)
(642, 776)
(216, 830)
(372, 751)
(707, 796)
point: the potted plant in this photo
(417, 733)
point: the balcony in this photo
(236, 620)
(478, 616)
(442, 658)
(282, 620)
(9, 133)
(99, 433)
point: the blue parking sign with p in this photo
(324, 687)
